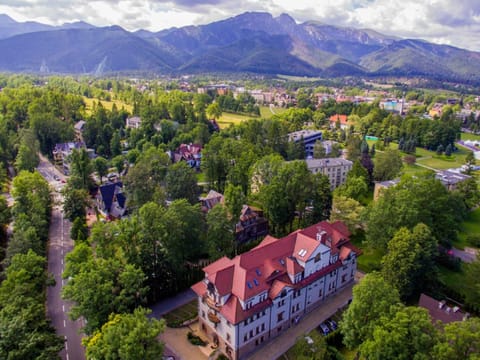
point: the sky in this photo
(453, 22)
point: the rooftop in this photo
(328, 162)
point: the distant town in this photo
(239, 217)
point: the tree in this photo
(145, 179)
(79, 230)
(119, 163)
(127, 337)
(373, 300)
(181, 182)
(81, 170)
(182, 241)
(104, 286)
(319, 151)
(448, 150)
(220, 239)
(354, 188)
(75, 203)
(27, 157)
(264, 170)
(439, 149)
(100, 165)
(472, 293)
(348, 211)
(234, 201)
(354, 144)
(413, 200)
(409, 264)
(469, 162)
(388, 165)
(459, 340)
(469, 192)
(24, 331)
(214, 111)
(409, 334)
(320, 197)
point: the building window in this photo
(344, 278)
(318, 257)
(258, 330)
(228, 337)
(251, 333)
(263, 328)
(320, 293)
(203, 314)
(245, 338)
(256, 342)
(280, 317)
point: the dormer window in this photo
(318, 257)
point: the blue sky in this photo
(454, 22)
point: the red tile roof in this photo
(265, 268)
(342, 118)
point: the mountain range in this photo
(250, 42)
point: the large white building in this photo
(336, 169)
(246, 301)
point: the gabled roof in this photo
(342, 118)
(108, 192)
(266, 268)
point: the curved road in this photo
(59, 245)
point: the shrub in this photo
(195, 340)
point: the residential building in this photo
(213, 198)
(382, 185)
(111, 200)
(246, 301)
(191, 153)
(78, 128)
(441, 311)
(62, 152)
(451, 179)
(336, 169)
(251, 224)
(133, 122)
(341, 120)
(309, 138)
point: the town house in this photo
(246, 301)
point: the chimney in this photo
(441, 304)
(321, 235)
(455, 309)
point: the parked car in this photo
(332, 324)
(324, 329)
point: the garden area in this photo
(178, 316)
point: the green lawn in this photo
(414, 169)
(453, 279)
(186, 312)
(266, 113)
(370, 259)
(468, 136)
(230, 118)
(106, 104)
(471, 225)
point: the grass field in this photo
(266, 113)
(370, 259)
(228, 119)
(182, 314)
(471, 225)
(106, 104)
(467, 136)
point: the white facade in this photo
(336, 169)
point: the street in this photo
(59, 245)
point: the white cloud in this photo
(445, 21)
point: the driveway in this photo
(165, 306)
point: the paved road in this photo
(59, 245)
(167, 305)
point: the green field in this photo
(371, 258)
(471, 225)
(467, 136)
(106, 104)
(228, 119)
